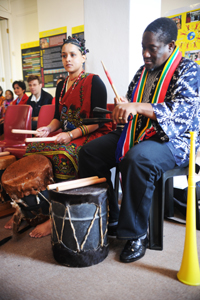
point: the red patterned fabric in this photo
(74, 106)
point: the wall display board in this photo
(78, 32)
(50, 56)
(30, 60)
(188, 40)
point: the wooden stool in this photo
(5, 206)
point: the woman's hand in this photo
(43, 131)
(63, 138)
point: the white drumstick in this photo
(89, 181)
(24, 131)
(4, 153)
(40, 139)
(55, 185)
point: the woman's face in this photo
(18, 90)
(8, 95)
(72, 59)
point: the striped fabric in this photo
(127, 139)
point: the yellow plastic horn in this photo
(189, 272)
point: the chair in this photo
(17, 117)
(45, 117)
(162, 204)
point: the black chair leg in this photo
(156, 219)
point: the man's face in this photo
(155, 52)
(35, 87)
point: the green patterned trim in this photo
(54, 153)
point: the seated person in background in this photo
(19, 88)
(160, 110)
(8, 100)
(57, 82)
(2, 98)
(38, 98)
(76, 96)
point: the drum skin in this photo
(28, 175)
(79, 225)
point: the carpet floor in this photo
(29, 271)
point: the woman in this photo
(76, 97)
(19, 89)
(2, 98)
(8, 100)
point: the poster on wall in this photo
(30, 60)
(50, 56)
(188, 40)
(78, 32)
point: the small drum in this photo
(25, 181)
(79, 225)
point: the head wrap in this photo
(80, 43)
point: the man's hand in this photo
(122, 111)
(122, 100)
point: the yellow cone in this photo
(189, 272)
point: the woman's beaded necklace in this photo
(74, 84)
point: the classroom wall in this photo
(66, 13)
(119, 24)
(23, 27)
(115, 38)
(178, 5)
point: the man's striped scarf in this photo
(127, 139)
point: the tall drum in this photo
(79, 225)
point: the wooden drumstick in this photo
(24, 131)
(75, 185)
(40, 139)
(111, 83)
(4, 153)
(59, 184)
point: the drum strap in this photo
(5, 240)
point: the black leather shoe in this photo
(134, 249)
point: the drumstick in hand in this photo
(24, 131)
(111, 83)
(41, 139)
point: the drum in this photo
(79, 225)
(25, 181)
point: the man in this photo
(38, 98)
(156, 137)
